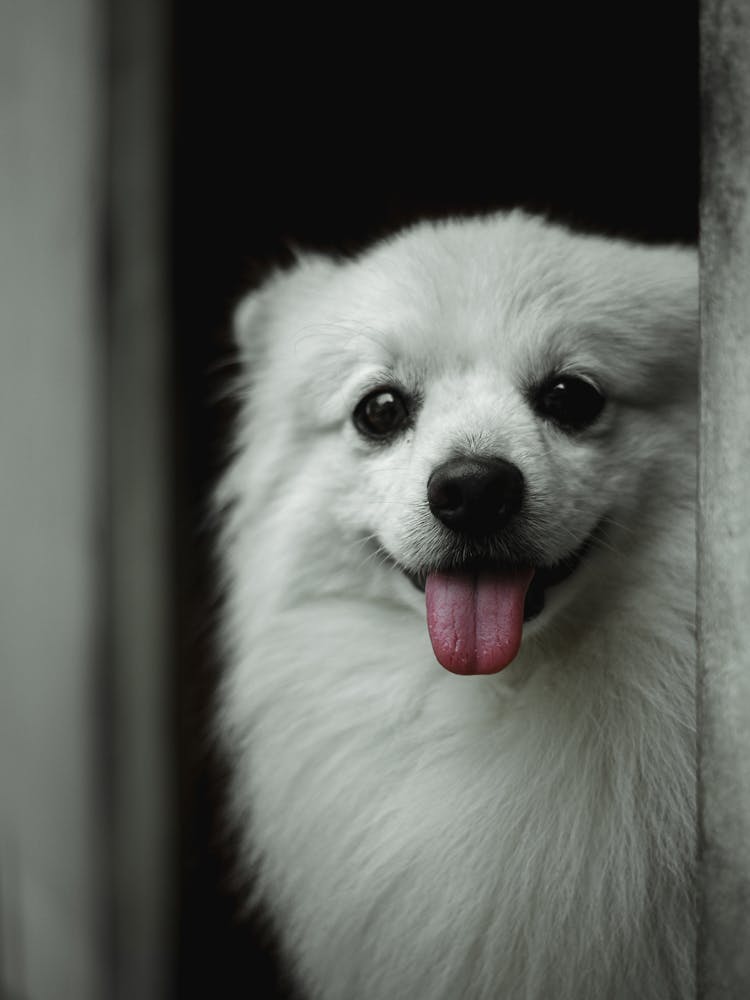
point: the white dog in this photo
(468, 451)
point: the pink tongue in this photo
(475, 622)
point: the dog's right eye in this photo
(381, 414)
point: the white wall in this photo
(51, 857)
(724, 527)
(85, 782)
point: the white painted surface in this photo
(50, 426)
(724, 529)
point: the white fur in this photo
(417, 834)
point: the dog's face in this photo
(475, 409)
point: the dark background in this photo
(327, 136)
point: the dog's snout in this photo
(475, 496)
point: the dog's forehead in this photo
(512, 294)
(456, 293)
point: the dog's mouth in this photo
(476, 609)
(544, 576)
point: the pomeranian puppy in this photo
(459, 624)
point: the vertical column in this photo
(140, 405)
(85, 404)
(724, 507)
(53, 850)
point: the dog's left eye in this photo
(381, 414)
(571, 402)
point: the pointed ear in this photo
(260, 310)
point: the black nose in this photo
(476, 496)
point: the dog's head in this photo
(475, 409)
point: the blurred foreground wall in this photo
(51, 859)
(83, 484)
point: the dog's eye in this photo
(571, 402)
(381, 414)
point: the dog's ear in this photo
(258, 313)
